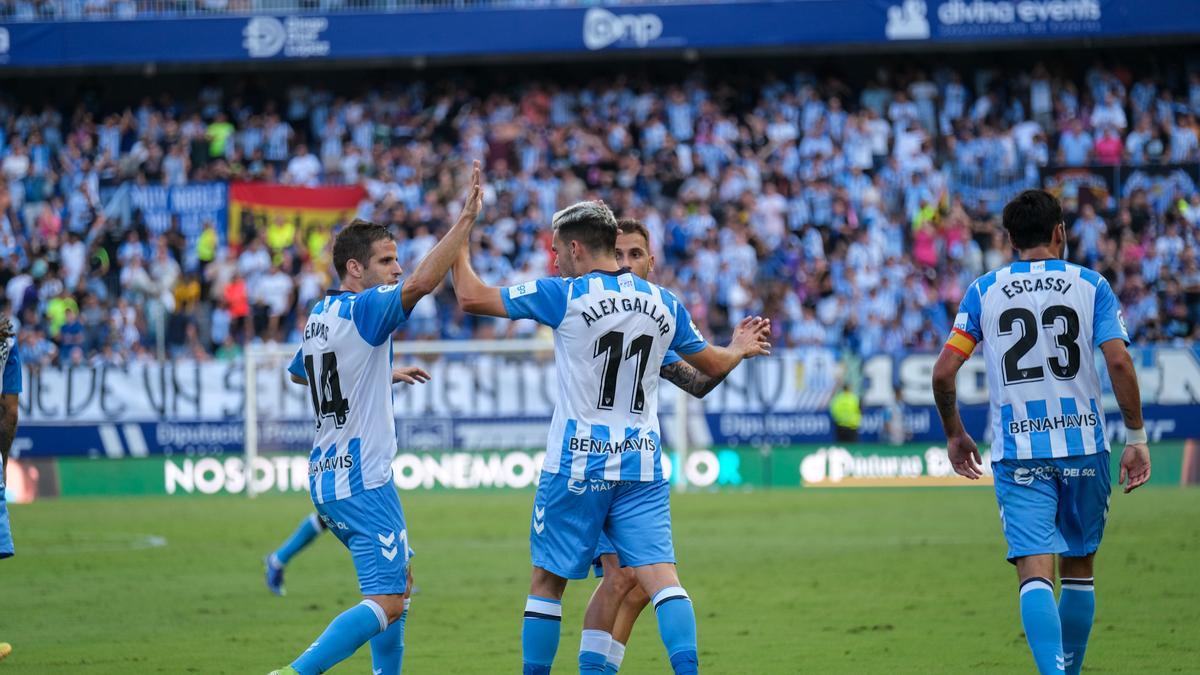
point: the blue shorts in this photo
(6, 542)
(1053, 505)
(605, 547)
(570, 515)
(371, 525)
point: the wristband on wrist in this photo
(1135, 436)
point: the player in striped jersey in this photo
(1039, 321)
(603, 465)
(346, 360)
(618, 601)
(312, 526)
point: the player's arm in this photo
(474, 296)
(960, 447)
(296, 369)
(1110, 335)
(433, 267)
(747, 339)
(10, 388)
(8, 426)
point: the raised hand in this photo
(474, 201)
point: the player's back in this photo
(1040, 322)
(614, 331)
(346, 357)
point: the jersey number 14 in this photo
(326, 391)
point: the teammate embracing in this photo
(1039, 320)
(603, 465)
(618, 600)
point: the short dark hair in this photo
(1031, 217)
(592, 224)
(633, 226)
(355, 241)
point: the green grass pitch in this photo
(815, 581)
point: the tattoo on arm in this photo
(947, 407)
(689, 379)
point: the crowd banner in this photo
(491, 403)
(256, 206)
(1102, 186)
(489, 31)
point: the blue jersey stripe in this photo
(564, 462)
(1074, 434)
(313, 457)
(579, 288)
(658, 471)
(610, 283)
(1039, 441)
(1010, 443)
(631, 462)
(1021, 267)
(356, 478)
(1099, 430)
(596, 461)
(344, 308)
(1056, 266)
(641, 285)
(985, 282)
(328, 479)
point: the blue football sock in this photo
(677, 626)
(539, 634)
(308, 530)
(593, 650)
(1076, 608)
(616, 654)
(387, 648)
(349, 631)
(1039, 616)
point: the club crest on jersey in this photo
(521, 290)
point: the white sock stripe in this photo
(407, 602)
(1034, 585)
(543, 607)
(1086, 584)
(379, 613)
(595, 641)
(616, 654)
(316, 521)
(667, 593)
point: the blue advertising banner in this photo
(629, 27)
(505, 403)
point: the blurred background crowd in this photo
(853, 211)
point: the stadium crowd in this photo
(849, 213)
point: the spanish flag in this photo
(961, 342)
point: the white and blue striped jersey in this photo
(346, 357)
(1040, 322)
(612, 333)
